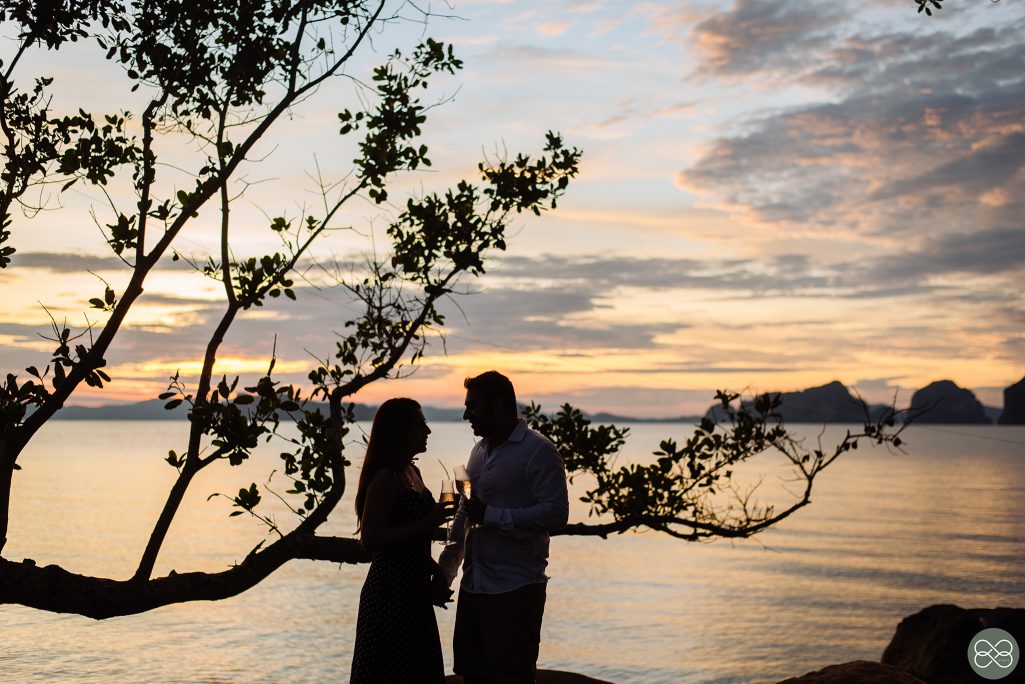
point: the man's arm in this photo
(546, 477)
(452, 555)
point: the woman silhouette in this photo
(396, 631)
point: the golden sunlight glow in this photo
(38, 344)
(230, 365)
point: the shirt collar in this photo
(519, 432)
(517, 435)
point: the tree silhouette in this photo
(222, 75)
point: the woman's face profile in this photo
(416, 436)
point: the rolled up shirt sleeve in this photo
(549, 510)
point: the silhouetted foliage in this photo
(688, 492)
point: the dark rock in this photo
(831, 403)
(856, 672)
(546, 677)
(945, 402)
(933, 643)
(1014, 404)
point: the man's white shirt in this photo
(523, 483)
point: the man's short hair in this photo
(492, 385)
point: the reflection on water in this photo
(886, 535)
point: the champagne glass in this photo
(462, 480)
(447, 494)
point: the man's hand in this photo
(475, 509)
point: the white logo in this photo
(999, 654)
(993, 653)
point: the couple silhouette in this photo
(500, 537)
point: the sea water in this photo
(886, 535)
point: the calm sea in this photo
(886, 535)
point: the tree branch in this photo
(148, 173)
(54, 589)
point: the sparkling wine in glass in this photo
(462, 480)
(447, 494)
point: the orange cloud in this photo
(553, 29)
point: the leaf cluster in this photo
(689, 486)
(396, 120)
(923, 6)
(52, 23)
(255, 278)
(236, 421)
(209, 55)
(308, 463)
(60, 149)
(93, 152)
(17, 399)
(108, 301)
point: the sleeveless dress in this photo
(397, 638)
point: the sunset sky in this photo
(773, 195)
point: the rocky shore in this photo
(929, 647)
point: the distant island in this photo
(941, 402)
(829, 403)
(153, 409)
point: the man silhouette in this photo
(501, 535)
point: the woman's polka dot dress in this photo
(397, 638)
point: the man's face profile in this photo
(479, 412)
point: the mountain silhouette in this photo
(944, 402)
(829, 403)
(1014, 404)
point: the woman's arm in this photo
(441, 595)
(374, 531)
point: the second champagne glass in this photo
(447, 495)
(462, 480)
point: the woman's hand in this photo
(442, 512)
(441, 595)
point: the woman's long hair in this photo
(392, 423)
